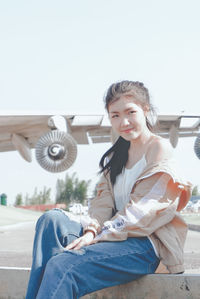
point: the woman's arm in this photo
(102, 207)
(152, 204)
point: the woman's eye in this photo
(132, 111)
(114, 116)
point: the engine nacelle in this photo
(197, 146)
(56, 151)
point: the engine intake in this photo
(197, 146)
(56, 151)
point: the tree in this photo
(64, 189)
(38, 198)
(71, 189)
(44, 195)
(26, 199)
(19, 200)
(60, 191)
(195, 191)
(80, 190)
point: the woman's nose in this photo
(124, 121)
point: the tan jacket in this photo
(157, 198)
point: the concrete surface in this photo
(16, 236)
(13, 284)
(12, 215)
(153, 286)
(16, 239)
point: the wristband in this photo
(91, 229)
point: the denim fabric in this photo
(58, 273)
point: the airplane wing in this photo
(55, 138)
(175, 126)
(24, 132)
(32, 127)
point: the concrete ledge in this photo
(194, 227)
(13, 283)
(154, 286)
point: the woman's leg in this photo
(73, 274)
(54, 231)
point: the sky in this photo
(63, 55)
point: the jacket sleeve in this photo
(101, 208)
(153, 203)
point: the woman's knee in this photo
(59, 263)
(54, 262)
(51, 216)
(59, 279)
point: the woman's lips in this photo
(127, 130)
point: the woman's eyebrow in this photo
(125, 110)
(113, 112)
(130, 108)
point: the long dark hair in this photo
(115, 159)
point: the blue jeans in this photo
(58, 273)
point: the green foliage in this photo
(60, 191)
(38, 198)
(195, 191)
(71, 189)
(19, 200)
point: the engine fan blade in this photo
(56, 151)
(197, 146)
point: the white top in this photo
(124, 185)
(125, 181)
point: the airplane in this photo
(55, 137)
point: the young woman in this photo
(134, 221)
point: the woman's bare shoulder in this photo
(159, 149)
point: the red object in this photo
(44, 207)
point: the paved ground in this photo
(16, 240)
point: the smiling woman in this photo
(130, 111)
(128, 119)
(139, 197)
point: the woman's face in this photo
(128, 118)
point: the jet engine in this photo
(56, 151)
(197, 146)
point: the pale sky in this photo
(63, 55)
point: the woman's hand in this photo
(85, 240)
